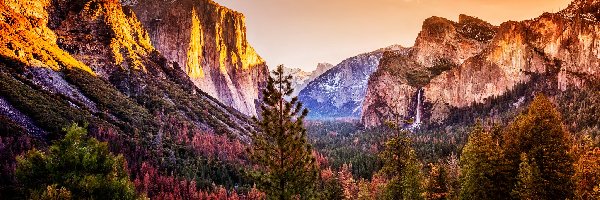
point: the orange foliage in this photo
(27, 39)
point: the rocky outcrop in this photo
(60, 47)
(486, 61)
(339, 92)
(299, 78)
(440, 46)
(209, 43)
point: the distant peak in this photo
(324, 65)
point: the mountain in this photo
(94, 63)
(339, 92)
(300, 79)
(208, 42)
(490, 70)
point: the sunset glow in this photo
(301, 33)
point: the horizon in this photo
(277, 28)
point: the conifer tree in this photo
(401, 167)
(481, 166)
(75, 167)
(539, 134)
(587, 171)
(436, 187)
(529, 183)
(279, 147)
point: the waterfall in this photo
(418, 114)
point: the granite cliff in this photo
(460, 64)
(208, 42)
(94, 63)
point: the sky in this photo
(303, 33)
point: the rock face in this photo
(209, 43)
(61, 47)
(300, 79)
(461, 64)
(339, 92)
(93, 63)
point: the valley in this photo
(142, 99)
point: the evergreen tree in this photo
(529, 183)
(401, 167)
(481, 166)
(587, 171)
(436, 187)
(412, 179)
(280, 148)
(539, 134)
(75, 167)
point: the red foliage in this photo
(219, 147)
(321, 160)
(157, 186)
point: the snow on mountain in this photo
(340, 91)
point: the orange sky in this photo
(302, 33)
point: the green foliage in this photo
(402, 168)
(412, 179)
(436, 186)
(540, 135)
(347, 143)
(529, 182)
(330, 189)
(280, 148)
(51, 112)
(110, 101)
(75, 166)
(481, 166)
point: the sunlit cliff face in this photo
(209, 43)
(195, 56)
(26, 38)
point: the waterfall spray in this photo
(417, 119)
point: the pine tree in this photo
(436, 187)
(75, 167)
(412, 179)
(539, 133)
(529, 182)
(280, 148)
(401, 167)
(481, 166)
(587, 171)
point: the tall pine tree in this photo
(539, 134)
(482, 167)
(528, 180)
(279, 147)
(401, 166)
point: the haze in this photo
(302, 33)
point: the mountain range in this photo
(339, 92)
(465, 65)
(172, 85)
(161, 81)
(300, 78)
(462, 64)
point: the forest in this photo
(534, 155)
